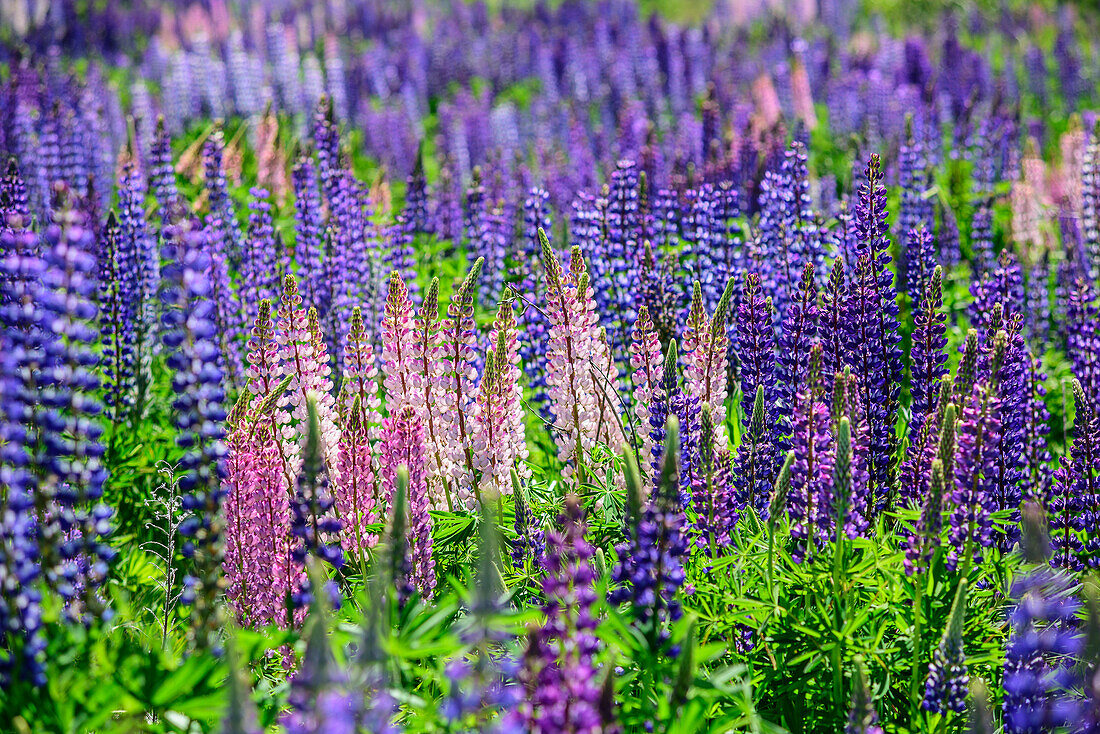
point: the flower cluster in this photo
(559, 671)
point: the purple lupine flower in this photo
(416, 198)
(67, 384)
(873, 341)
(221, 217)
(948, 236)
(222, 239)
(922, 261)
(530, 542)
(981, 238)
(162, 176)
(709, 486)
(530, 273)
(309, 244)
(916, 215)
(975, 468)
(27, 155)
(696, 224)
(1036, 430)
(14, 209)
(260, 276)
(129, 277)
(482, 684)
(862, 717)
(755, 348)
(499, 236)
(1002, 283)
(322, 697)
(401, 255)
(945, 688)
(777, 252)
(20, 604)
(928, 354)
(314, 524)
(326, 141)
(1074, 502)
(1044, 641)
(53, 522)
(810, 501)
(1083, 345)
(225, 308)
(924, 541)
(114, 313)
(72, 169)
(686, 408)
(188, 333)
(755, 468)
(832, 324)
(659, 289)
(661, 408)
(480, 239)
(447, 212)
(1011, 386)
(558, 666)
(1069, 63)
(799, 333)
(138, 243)
(650, 570)
(22, 346)
(718, 227)
(1037, 301)
(614, 265)
(49, 153)
(861, 329)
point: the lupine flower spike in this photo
(946, 686)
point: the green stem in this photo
(918, 647)
(771, 564)
(838, 620)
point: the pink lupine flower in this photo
(506, 332)
(356, 488)
(270, 160)
(768, 108)
(705, 349)
(259, 568)
(605, 382)
(1029, 199)
(576, 357)
(270, 575)
(320, 386)
(264, 377)
(646, 364)
(304, 360)
(398, 348)
(1073, 144)
(360, 378)
(802, 95)
(498, 443)
(403, 445)
(457, 392)
(239, 562)
(428, 361)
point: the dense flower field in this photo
(435, 367)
